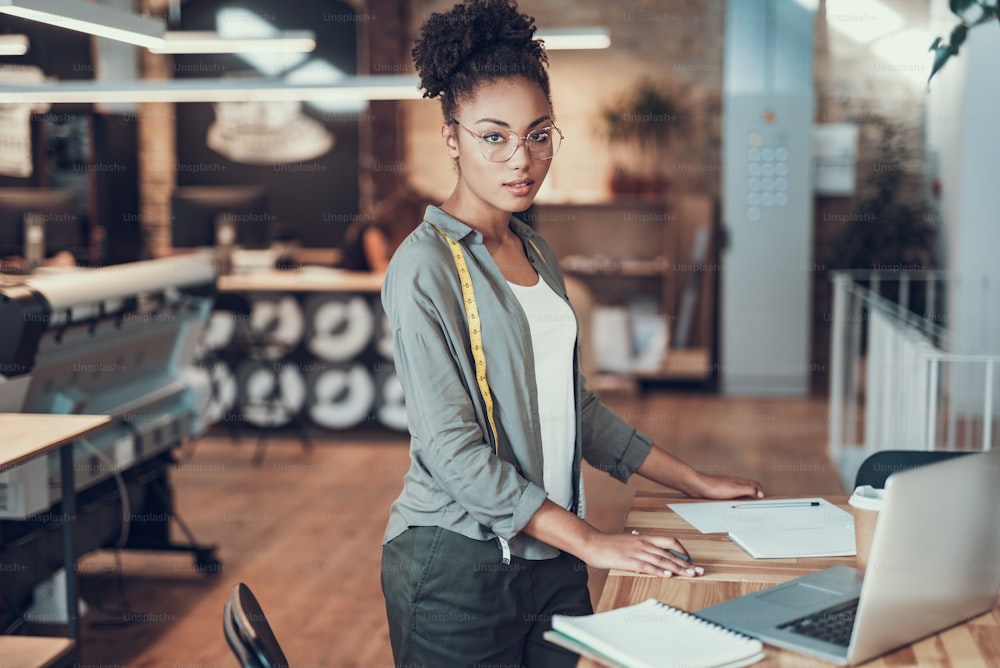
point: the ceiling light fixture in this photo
(557, 39)
(104, 21)
(91, 18)
(13, 45)
(213, 90)
(206, 41)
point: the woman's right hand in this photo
(648, 555)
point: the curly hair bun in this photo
(477, 40)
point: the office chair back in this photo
(248, 632)
(236, 641)
(876, 469)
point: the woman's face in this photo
(498, 108)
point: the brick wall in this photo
(157, 149)
(678, 44)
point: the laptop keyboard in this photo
(833, 625)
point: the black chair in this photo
(235, 640)
(248, 633)
(879, 466)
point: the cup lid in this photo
(867, 497)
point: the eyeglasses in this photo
(499, 146)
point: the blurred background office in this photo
(662, 115)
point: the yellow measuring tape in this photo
(476, 340)
(475, 331)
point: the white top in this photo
(553, 339)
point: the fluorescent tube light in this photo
(13, 45)
(574, 38)
(91, 18)
(105, 21)
(206, 41)
(213, 90)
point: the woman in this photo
(371, 240)
(487, 539)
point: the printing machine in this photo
(118, 341)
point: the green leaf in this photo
(935, 44)
(958, 35)
(989, 13)
(941, 56)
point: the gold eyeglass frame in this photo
(509, 133)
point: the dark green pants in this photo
(452, 604)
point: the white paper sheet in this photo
(725, 516)
(767, 543)
(776, 528)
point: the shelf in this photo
(681, 364)
(587, 200)
(684, 364)
(634, 253)
(603, 266)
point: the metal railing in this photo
(896, 380)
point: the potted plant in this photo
(638, 127)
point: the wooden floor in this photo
(303, 530)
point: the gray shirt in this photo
(456, 480)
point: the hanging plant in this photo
(964, 10)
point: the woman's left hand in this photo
(725, 487)
(662, 467)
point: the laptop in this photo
(934, 563)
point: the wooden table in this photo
(35, 652)
(730, 572)
(307, 279)
(25, 437)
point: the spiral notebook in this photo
(653, 635)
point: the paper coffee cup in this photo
(866, 502)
